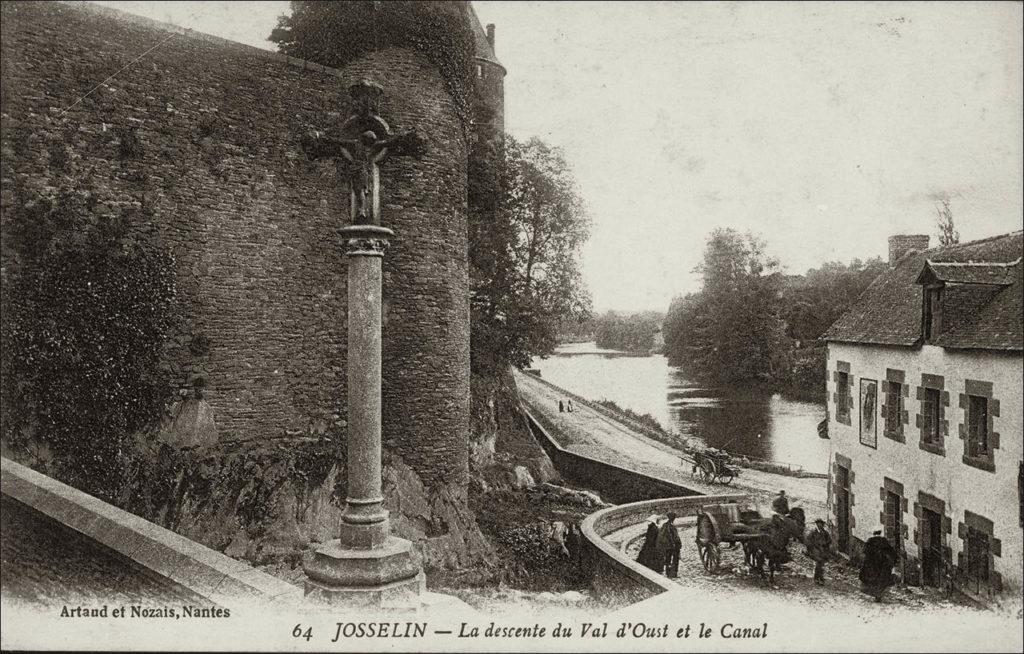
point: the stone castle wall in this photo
(426, 271)
(217, 169)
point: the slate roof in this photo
(484, 49)
(999, 274)
(982, 305)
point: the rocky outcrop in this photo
(500, 439)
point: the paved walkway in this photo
(46, 564)
(592, 433)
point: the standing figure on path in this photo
(649, 554)
(879, 558)
(781, 503)
(670, 544)
(561, 406)
(569, 407)
(819, 549)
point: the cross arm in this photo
(318, 146)
(406, 144)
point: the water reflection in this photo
(745, 421)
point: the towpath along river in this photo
(591, 433)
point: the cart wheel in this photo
(710, 556)
(707, 471)
(726, 477)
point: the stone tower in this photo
(489, 112)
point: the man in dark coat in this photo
(650, 556)
(879, 558)
(819, 549)
(670, 546)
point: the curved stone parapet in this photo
(617, 576)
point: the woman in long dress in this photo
(879, 558)
(650, 556)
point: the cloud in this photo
(936, 195)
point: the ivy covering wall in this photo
(86, 309)
(337, 33)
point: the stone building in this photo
(215, 173)
(925, 413)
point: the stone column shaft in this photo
(364, 385)
(364, 521)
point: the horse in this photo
(772, 542)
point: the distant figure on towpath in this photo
(569, 407)
(561, 406)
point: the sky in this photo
(823, 127)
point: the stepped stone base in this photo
(385, 576)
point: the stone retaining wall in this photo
(612, 482)
(615, 575)
(186, 563)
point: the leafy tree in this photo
(732, 331)
(750, 322)
(816, 300)
(812, 303)
(527, 223)
(944, 221)
(576, 330)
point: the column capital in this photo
(366, 240)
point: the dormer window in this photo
(963, 287)
(932, 320)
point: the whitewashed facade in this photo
(926, 429)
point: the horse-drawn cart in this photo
(714, 466)
(763, 539)
(723, 523)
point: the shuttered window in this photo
(931, 414)
(977, 426)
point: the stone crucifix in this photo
(366, 139)
(365, 563)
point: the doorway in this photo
(843, 508)
(931, 547)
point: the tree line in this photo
(629, 332)
(751, 323)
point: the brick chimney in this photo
(900, 244)
(490, 34)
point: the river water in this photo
(742, 421)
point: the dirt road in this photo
(591, 433)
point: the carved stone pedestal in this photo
(387, 576)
